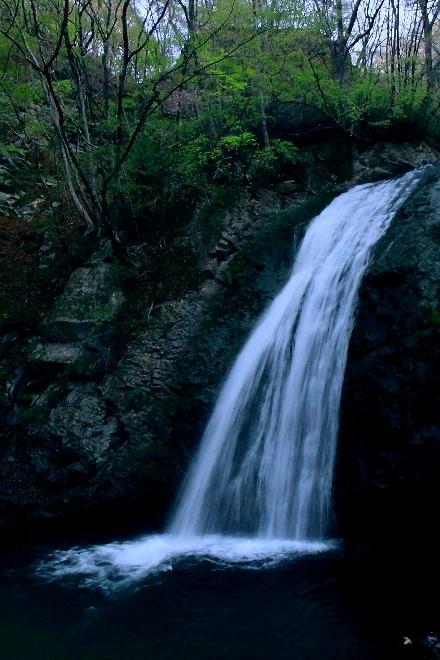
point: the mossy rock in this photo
(92, 298)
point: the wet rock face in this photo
(387, 480)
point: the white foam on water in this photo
(117, 565)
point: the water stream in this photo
(259, 489)
(265, 463)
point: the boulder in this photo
(91, 299)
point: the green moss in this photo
(430, 316)
(211, 214)
(137, 398)
(33, 415)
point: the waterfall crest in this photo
(265, 463)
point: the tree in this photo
(106, 68)
(346, 27)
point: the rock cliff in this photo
(101, 413)
(387, 482)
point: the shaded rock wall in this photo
(388, 475)
(101, 418)
(109, 440)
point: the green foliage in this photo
(232, 155)
(226, 125)
(211, 213)
(280, 155)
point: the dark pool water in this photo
(339, 605)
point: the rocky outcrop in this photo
(92, 297)
(102, 423)
(387, 480)
(89, 304)
(102, 411)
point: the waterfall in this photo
(265, 463)
(260, 484)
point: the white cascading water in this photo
(265, 463)
(260, 485)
